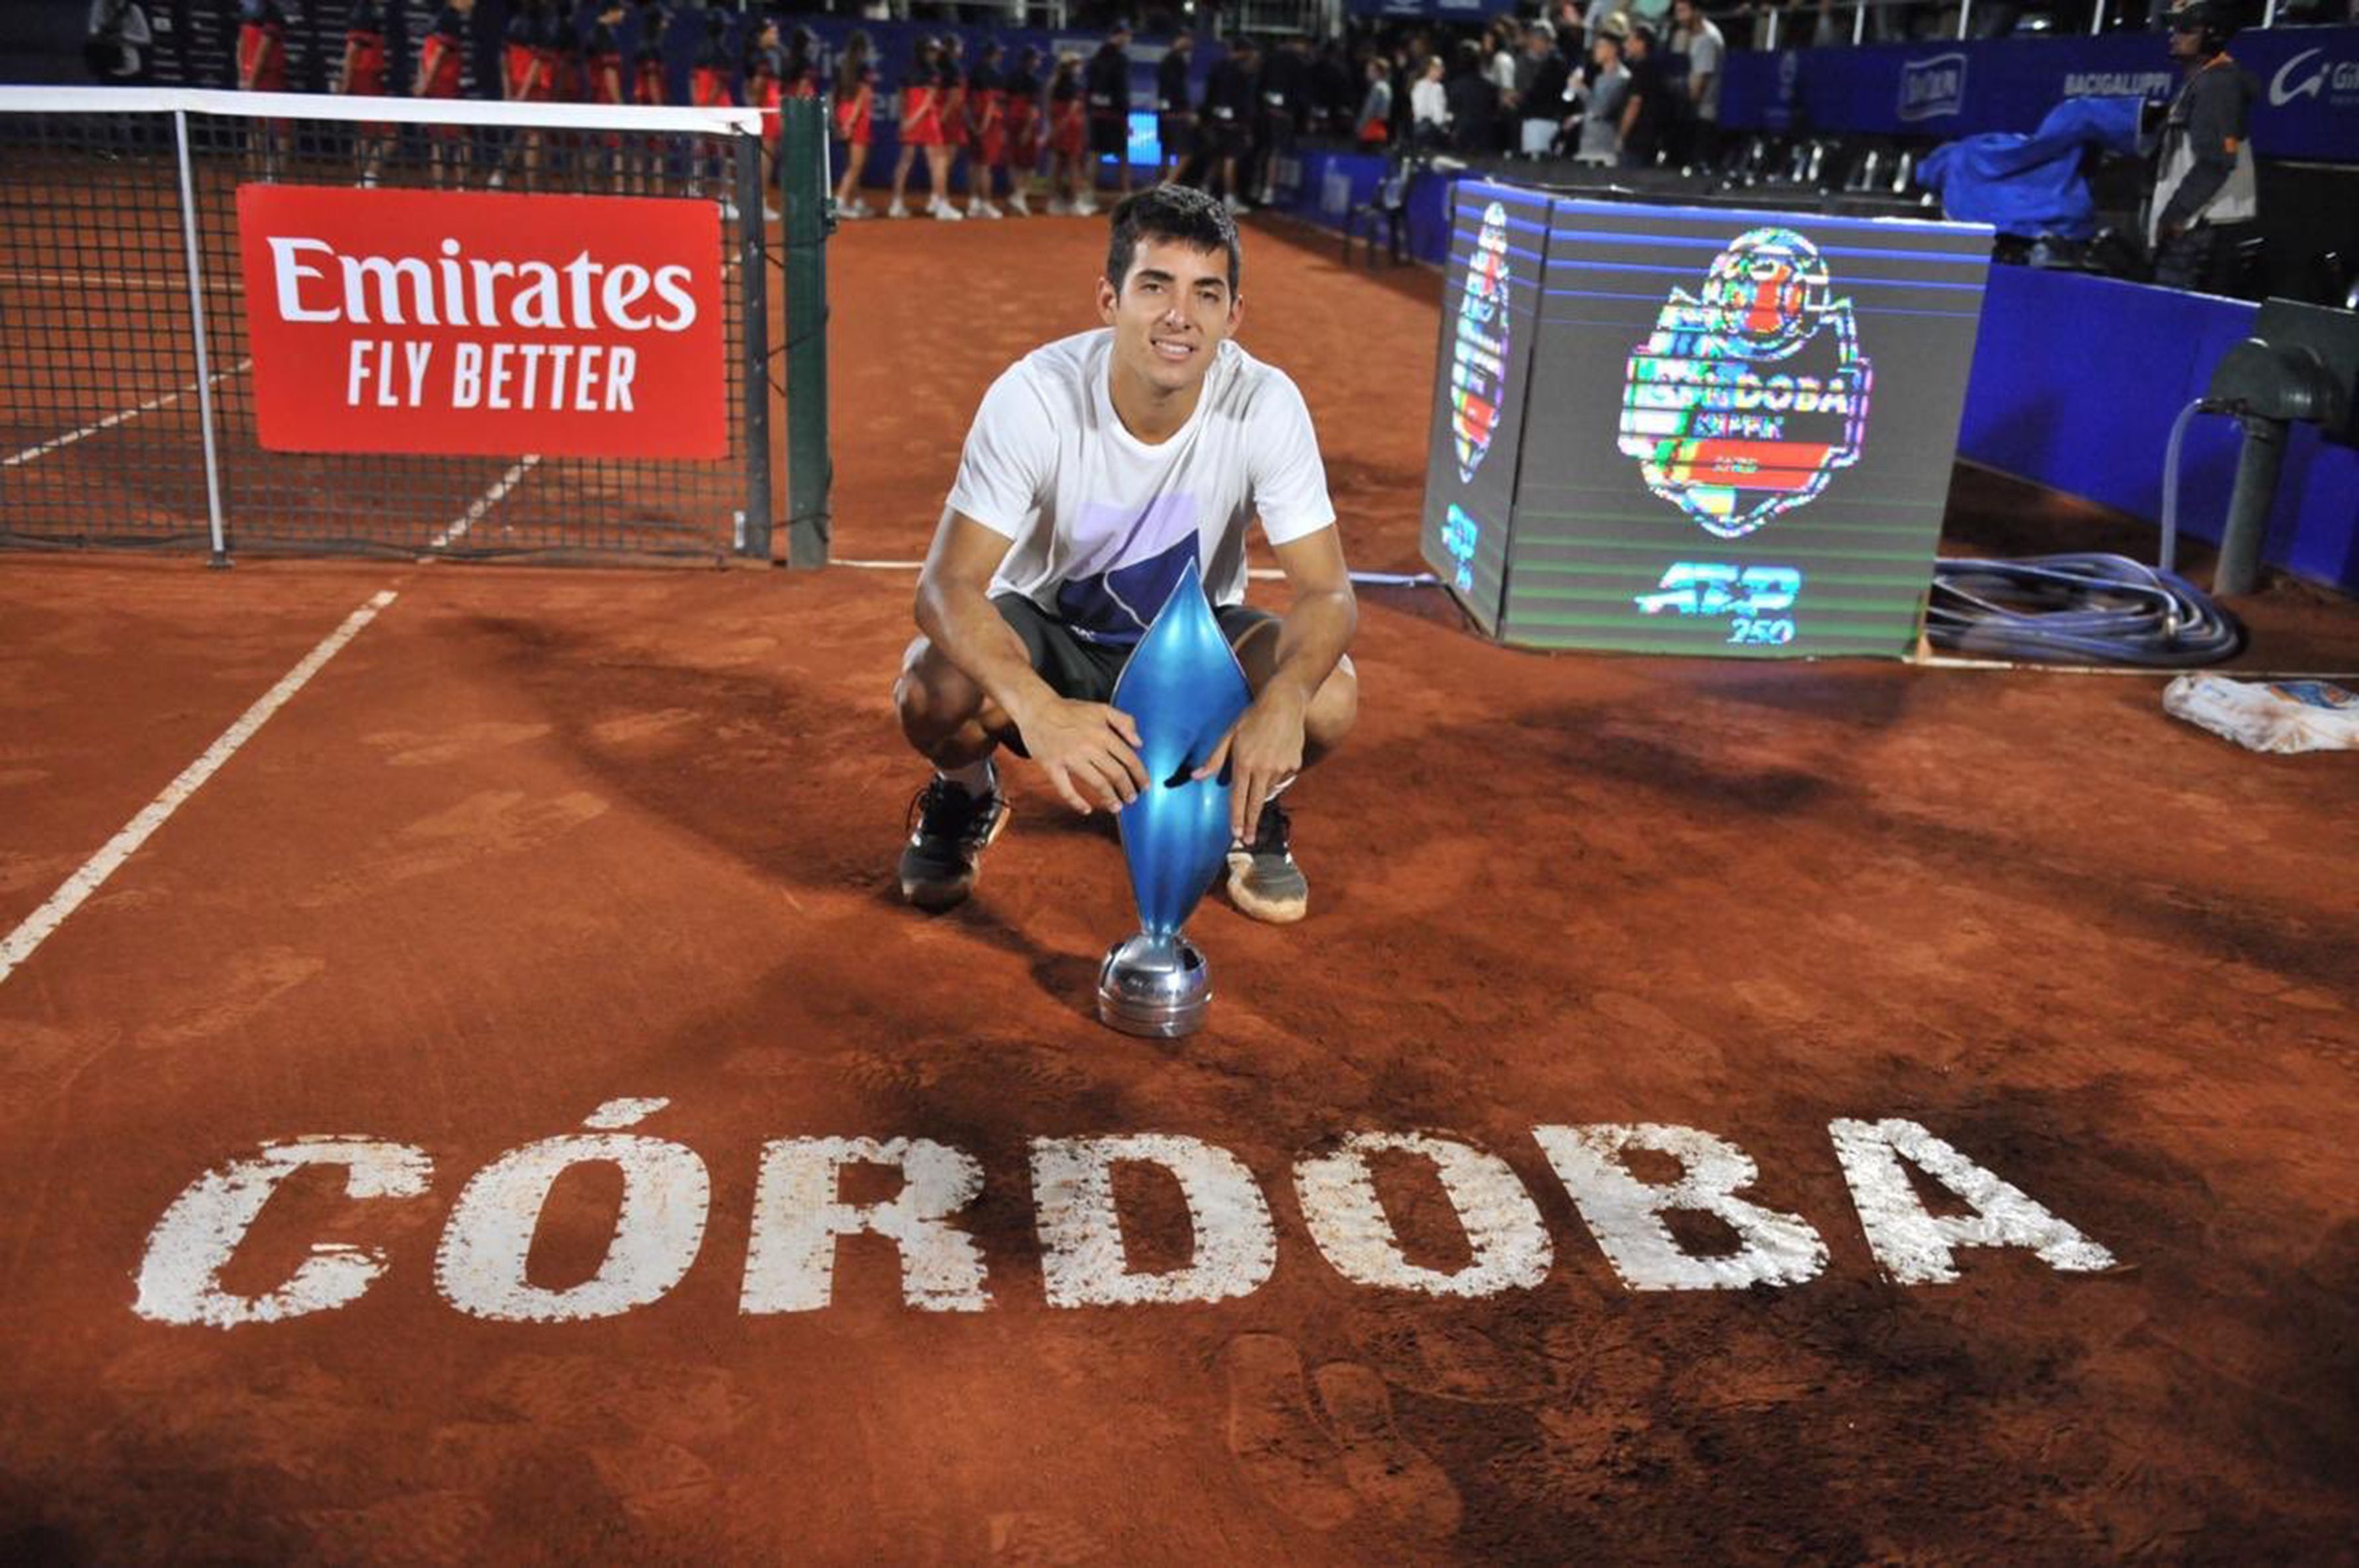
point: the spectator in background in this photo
(1604, 93)
(1473, 98)
(1022, 99)
(608, 85)
(1504, 47)
(1644, 116)
(921, 130)
(712, 84)
(441, 60)
(648, 84)
(1696, 55)
(1571, 23)
(1068, 141)
(950, 84)
(1174, 110)
(1429, 109)
(1541, 98)
(986, 99)
(262, 67)
(1231, 99)
(118, 41)
(1335, 92)
(1284, 105)
(523, 80)
(802, 63)
(1108, 89)
(1376, 118)
(362, 74)
(855, 109)
(765, 90)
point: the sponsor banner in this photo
(475, 322)
(2307, 106)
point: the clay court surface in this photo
(539, 839)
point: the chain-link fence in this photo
(127, 377)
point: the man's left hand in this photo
(1265, 749)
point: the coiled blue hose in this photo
(2086, 609)
(2078, 609)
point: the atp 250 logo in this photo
(1745, 398)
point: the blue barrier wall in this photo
(2308, 108)
(2075, 383)
(2076, 380)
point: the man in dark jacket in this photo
(1106, 89)
(1175, 111)
(2204, 187)
(1648, 111)
(1473, 100)
(1285, 87)
(1541, 106)
(1231, 102)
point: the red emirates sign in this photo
(477, 322)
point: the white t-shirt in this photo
(1104, 524)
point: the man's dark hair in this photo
(1177, 214)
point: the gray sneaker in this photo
(1264, 880)
(950, 829)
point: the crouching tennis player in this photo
(1096, 468)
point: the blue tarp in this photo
(2030, 186)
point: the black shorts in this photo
(1178, 134)
(1226, 138)
(1109, 135)
(1086, 671)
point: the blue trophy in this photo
(1184, 690)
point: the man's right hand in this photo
(1089, 749)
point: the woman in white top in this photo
(1429, 107)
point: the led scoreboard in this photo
(1696, 430)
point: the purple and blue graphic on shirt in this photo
(1114, 590)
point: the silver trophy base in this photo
(1159, 987)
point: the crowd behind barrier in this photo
(1653, 92)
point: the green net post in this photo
(754, 278)
(810, 218)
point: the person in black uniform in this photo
(2205, 192)
(1647, 112)
(1285, 84)
(1175, 112)
(1106, 89)
(1473, 100)
(1232, 100)
(1541, 113)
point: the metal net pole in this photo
(802, 168)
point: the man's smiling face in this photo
(1171, 313)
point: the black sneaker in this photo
(1264, 880)
(949, 831)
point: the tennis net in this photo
(282, 322)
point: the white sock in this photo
(977, 779)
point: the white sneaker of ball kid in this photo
(946, 213)
(897, 210)
(982, 210)
(1017, 205)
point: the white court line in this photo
(484, 502)
(100, 279)
(1259, 574)
(111, 420)
(124, 845)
